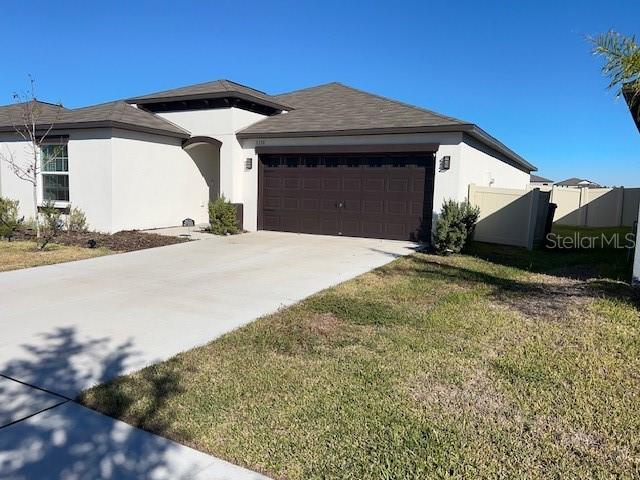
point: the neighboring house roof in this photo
(336, 109)
(536, 179)
(577, 182)
(116, 114)
(215, 89)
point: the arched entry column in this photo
(205, 153)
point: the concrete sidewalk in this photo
(52, 437)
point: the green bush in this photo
(222, 217)
(77, 221)
(9, 221)
(455, 226)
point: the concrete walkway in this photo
(67, 327)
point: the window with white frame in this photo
(55, 173)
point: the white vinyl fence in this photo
(510, 216)
(596, 207)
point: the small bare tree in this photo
(33, 124)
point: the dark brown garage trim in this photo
(331, 149)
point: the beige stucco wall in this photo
(221, 124)
(89, 175)
(155, 182)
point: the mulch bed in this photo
(124, 241)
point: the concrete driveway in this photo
(67, 327)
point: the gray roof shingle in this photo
(538, 179)
(336, 109)
(14, 114)
(217, 88)
(116, 114)
(576, 182)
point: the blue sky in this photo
(520, 69)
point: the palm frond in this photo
(622, 61)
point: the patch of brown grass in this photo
(25, 254)
(476, 395)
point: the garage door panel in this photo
(374, 184)
(271, 222)
(399, 185)
(379, 196)
(372, 206)
(273, 202)
(352, 185)
(291, 203)
(312, 183)
(396, 230)
(397, 207)
(292, 183)
(331, 183)
(373, 229)
(416, 208)
(311, 204)
(274, 182)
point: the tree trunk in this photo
(35, 208)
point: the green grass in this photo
(24, 254)
(430, 367)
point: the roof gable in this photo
(215, 89)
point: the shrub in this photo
(222, 217)
(77, 221)
(9, 221)
(51, 223)
(455, 226)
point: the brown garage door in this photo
(357, 195)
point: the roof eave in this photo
(246, 133)
(494, 143)
(470, 129)
(105, 124)
(204, 96)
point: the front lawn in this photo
(68, 246)
(24, 254)
(428, 367)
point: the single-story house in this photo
(542, 183)
(578, 183)
(329, 159)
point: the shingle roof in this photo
(576, 182)
(13, 114)
(336, 109)
(116, 114)
(120, 113)
(537, 179)
(217, 88)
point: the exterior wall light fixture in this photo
(445, 163)
(248, 163)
